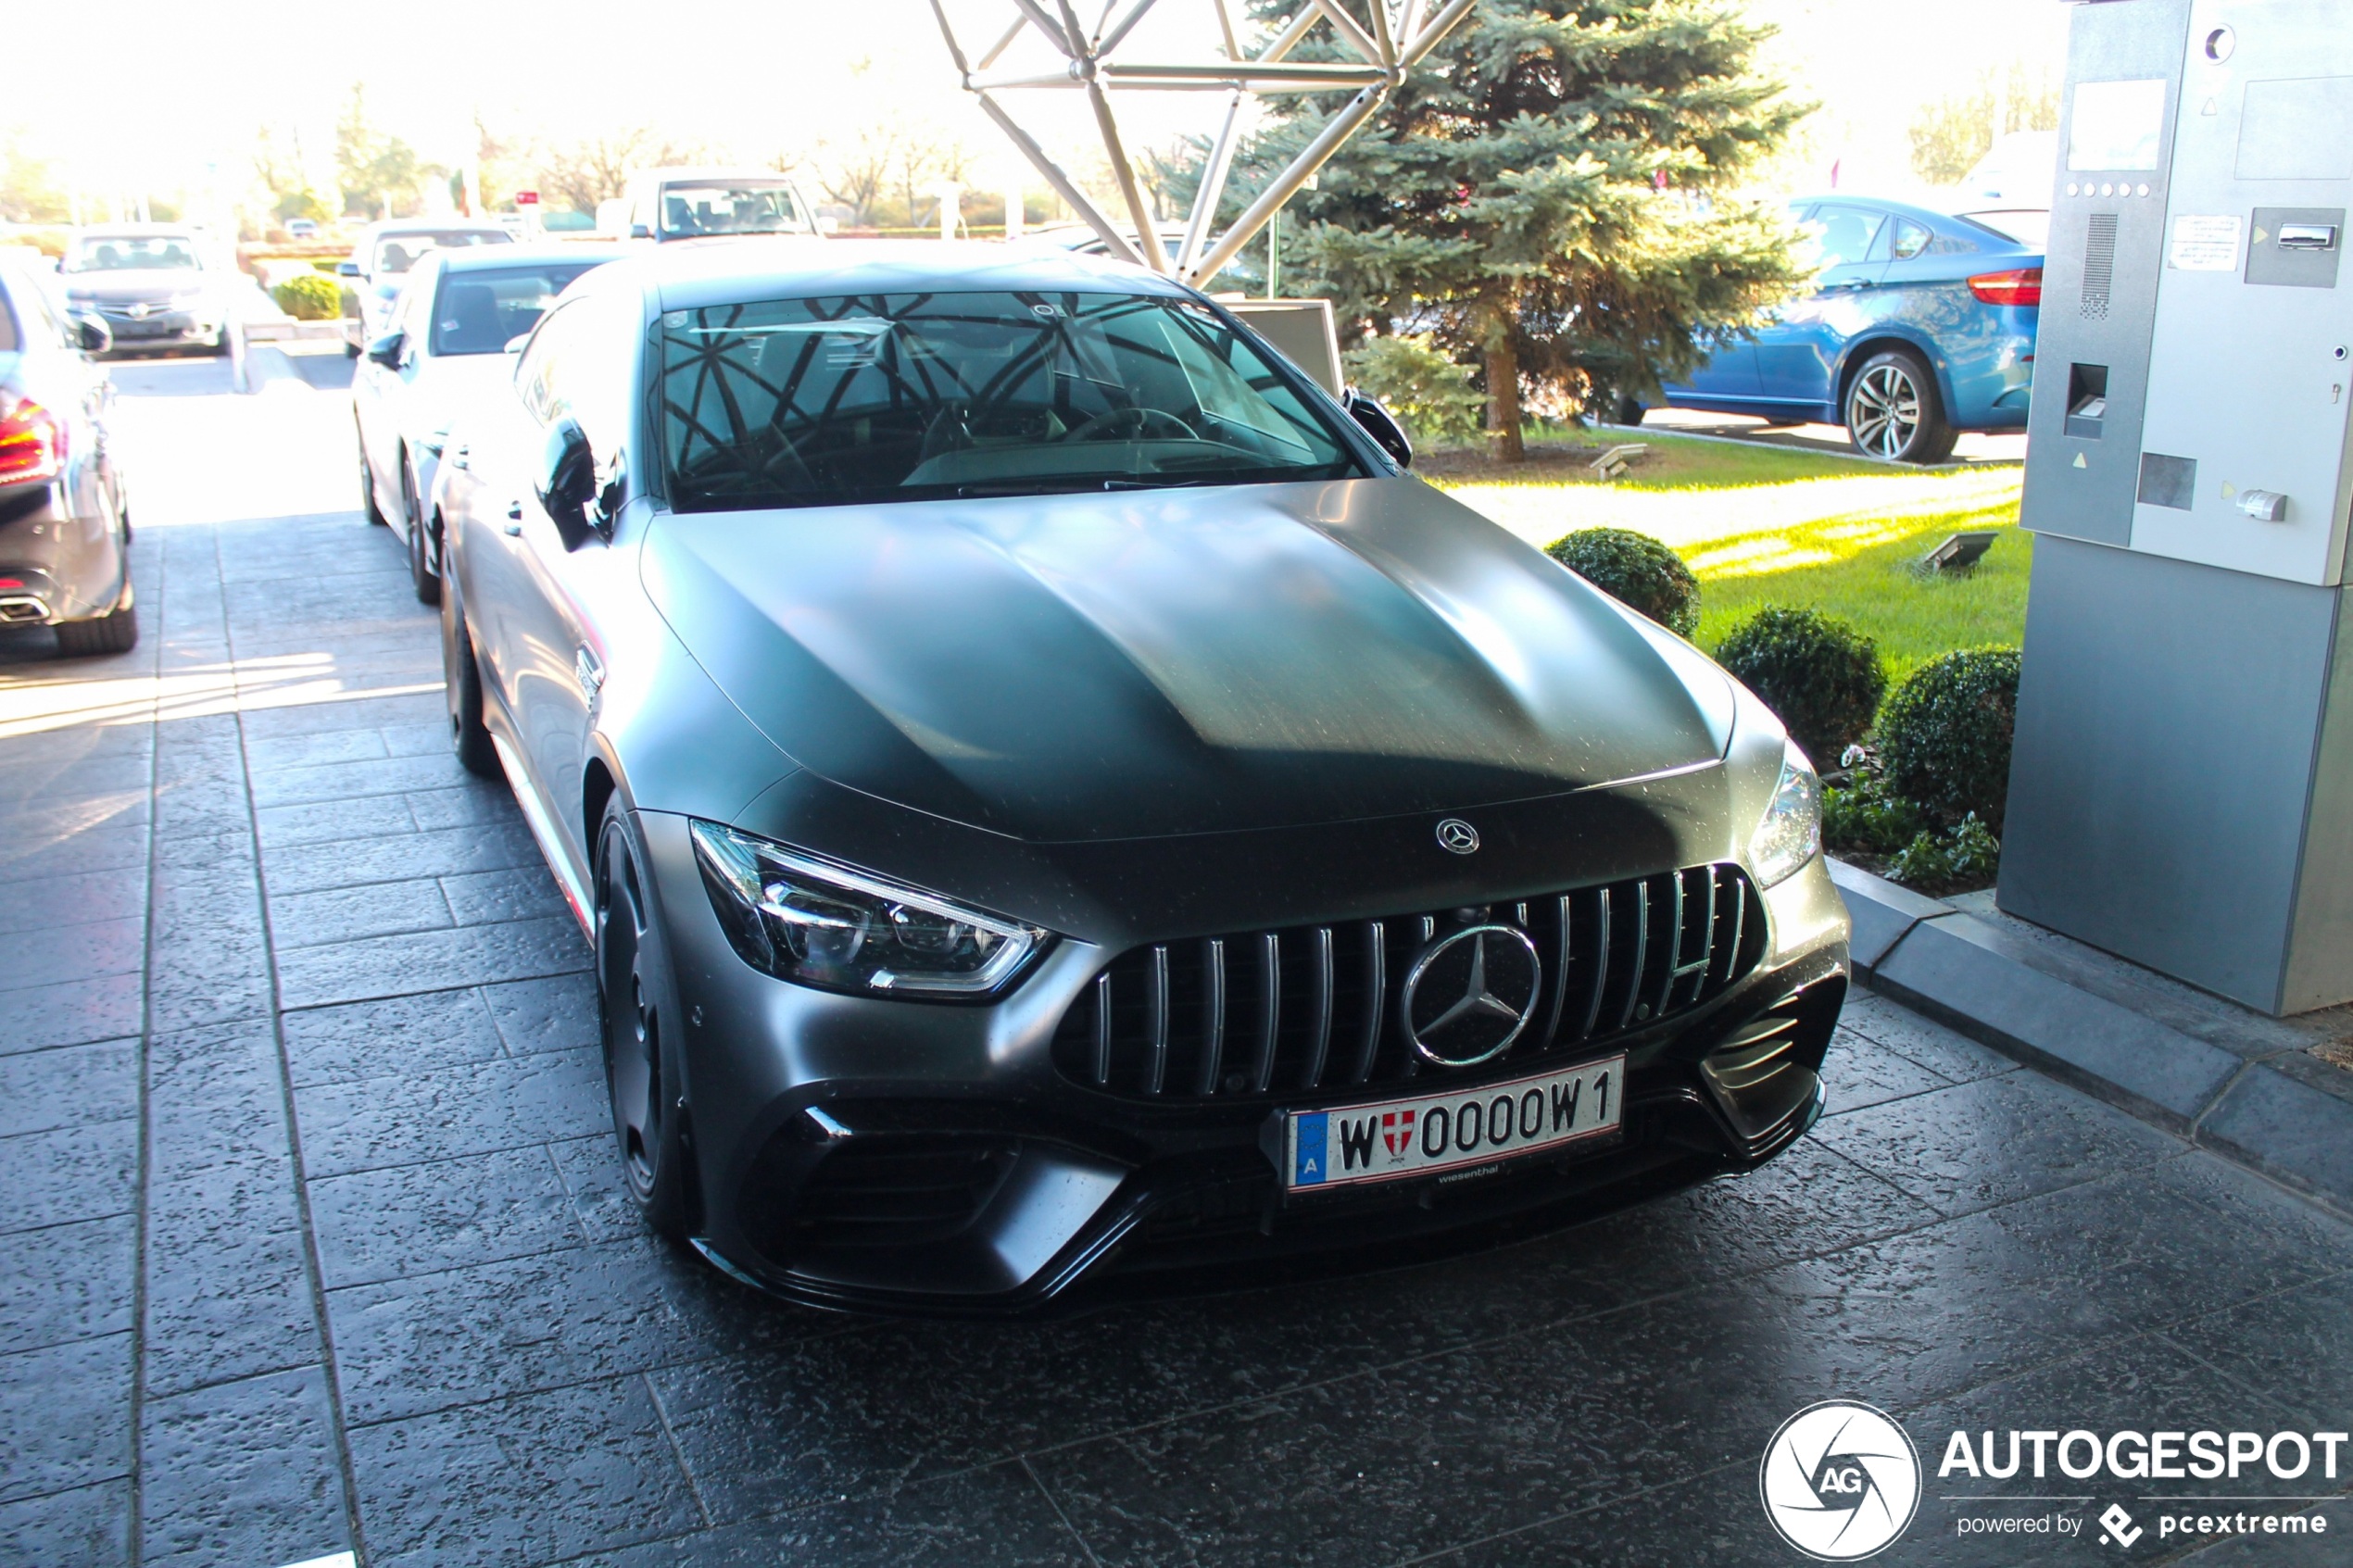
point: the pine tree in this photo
(1551, 193)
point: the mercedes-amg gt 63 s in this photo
(1059, 809)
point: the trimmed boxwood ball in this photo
(1945, 736)
(1818, 674)
(307, 297)
(1636, 571)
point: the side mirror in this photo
(346, 269)
(90, 333)
(516, 343)
(386, 350)
(639, 231)
(1381, 425)
(568, 482)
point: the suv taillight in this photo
(2021, 287)
(33, 442)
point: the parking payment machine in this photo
(2182, 789)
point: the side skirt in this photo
(543, 831)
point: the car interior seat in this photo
(469, 321)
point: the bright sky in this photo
(177, 103)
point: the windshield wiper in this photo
(1071, 485)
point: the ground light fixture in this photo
(1958, 555)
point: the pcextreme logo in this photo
(1840, 1480)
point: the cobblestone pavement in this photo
(314, 1243)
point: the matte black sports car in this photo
(1055, 804)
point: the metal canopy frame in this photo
(1396, 40)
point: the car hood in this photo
(1178, 661)
(129, 288)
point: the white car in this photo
(666, 205)
(445, 347)
(2009, 189)
(379, 263)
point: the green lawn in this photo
(1765, 525)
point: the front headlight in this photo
(799, 918)
(1791, 831)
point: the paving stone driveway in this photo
(313, 1244)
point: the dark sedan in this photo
(155, 287)
(64, 529)
(1056, 809)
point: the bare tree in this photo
(584, 173)
(925, 156)
(852, 171)
(502, 163)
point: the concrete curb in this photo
(2275, 1111)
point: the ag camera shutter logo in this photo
(1840, 1480)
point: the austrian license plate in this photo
(1436, 1131)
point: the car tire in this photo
(639, 1021)
(368, 508)
(421, 572)
(115, 632)
(462, 681)
(1894, 411)
(222, 347)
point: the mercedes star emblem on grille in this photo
(1457, 836)
(1470, 994)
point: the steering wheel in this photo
(1100, 427)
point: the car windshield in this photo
(481, 310)
(398, 253)
(819, 402)
(158, 253)
(730, 206)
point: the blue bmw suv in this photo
(1922, 326)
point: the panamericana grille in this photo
(1266, 1012)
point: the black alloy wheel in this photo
(639, 1026)
(462, 681)
(1894, 412)
(421, 572)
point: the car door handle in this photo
(458, 458)
(514, 520)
